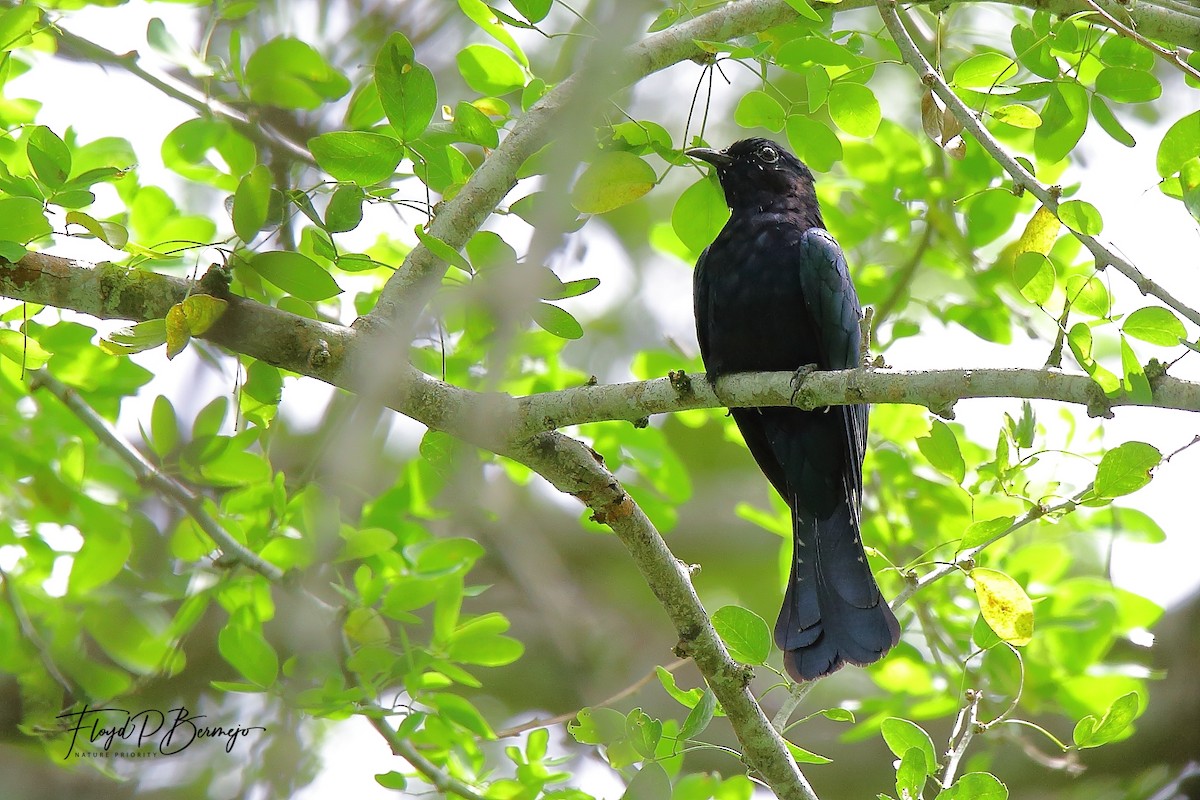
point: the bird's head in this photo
(758, 173)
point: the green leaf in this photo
(16, 24)
(296, 274)
(699, 214)
(1134, 382)
(757, 109)
(358, 156)
(1089, 295)
(474, 126)
(1128, 85)
(407, 90)
(854, 109)
(1155, 325)
(1005, 606)
(1109, 123)
(1180, 144)
(1092, 733)
(643, 732)
(49, 156)
(984, 71)
(802, 756)
(813, 142)
(1117, 51)
(1033, 274)
(1081, 217)
(249, 653)
(345, 209)
(164, 427)
(701, 714)
(744, 633)
(1064, 119)
(99, 560)
(22, 219)
(650, 783)
(364, 543)
(462, 713)
(1018, 116)
(251, 203)
(572, 289)
(902, 735)
(688, 698)
(1189, 184)
(912, 772)
(112, 234)
(533, 10)
(485, 17)
(979, 532)
(940, 447)
(555, 320)
(802, 8)
(136, 338)
(489, 70)
(1125, 469)
(392, 780)
(975, 786)
(442, 250)
(288, 73)
(614, 179)
(597, 726)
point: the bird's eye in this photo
(768, 154)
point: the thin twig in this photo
(150, 474)
(533, 724)
(796, 694)
(31, 635)
(1172, 57)
(87, 50)
(403, 748)
(1022, 178)
(904, 276)
(965, 729)
(967, 557)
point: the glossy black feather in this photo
(773, 293)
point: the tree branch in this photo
(148, 473)
(1022, 178)
(495, 420)
(1172, 57)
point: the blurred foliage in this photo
(439, 587)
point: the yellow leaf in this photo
(1040, 233)
(177, 331)
(201, 311)
(1006, 608)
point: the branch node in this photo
(319, 356)
(943, 409)
(1098, 403)
(681, 382)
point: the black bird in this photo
(773, 293)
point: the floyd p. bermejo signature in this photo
(96, 732)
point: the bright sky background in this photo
(1153, 231)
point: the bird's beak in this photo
(714, 157)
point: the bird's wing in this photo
(834, 310)
(700, 303)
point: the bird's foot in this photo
(798, 379)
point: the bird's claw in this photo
(797, 380)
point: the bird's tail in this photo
(833, 612)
